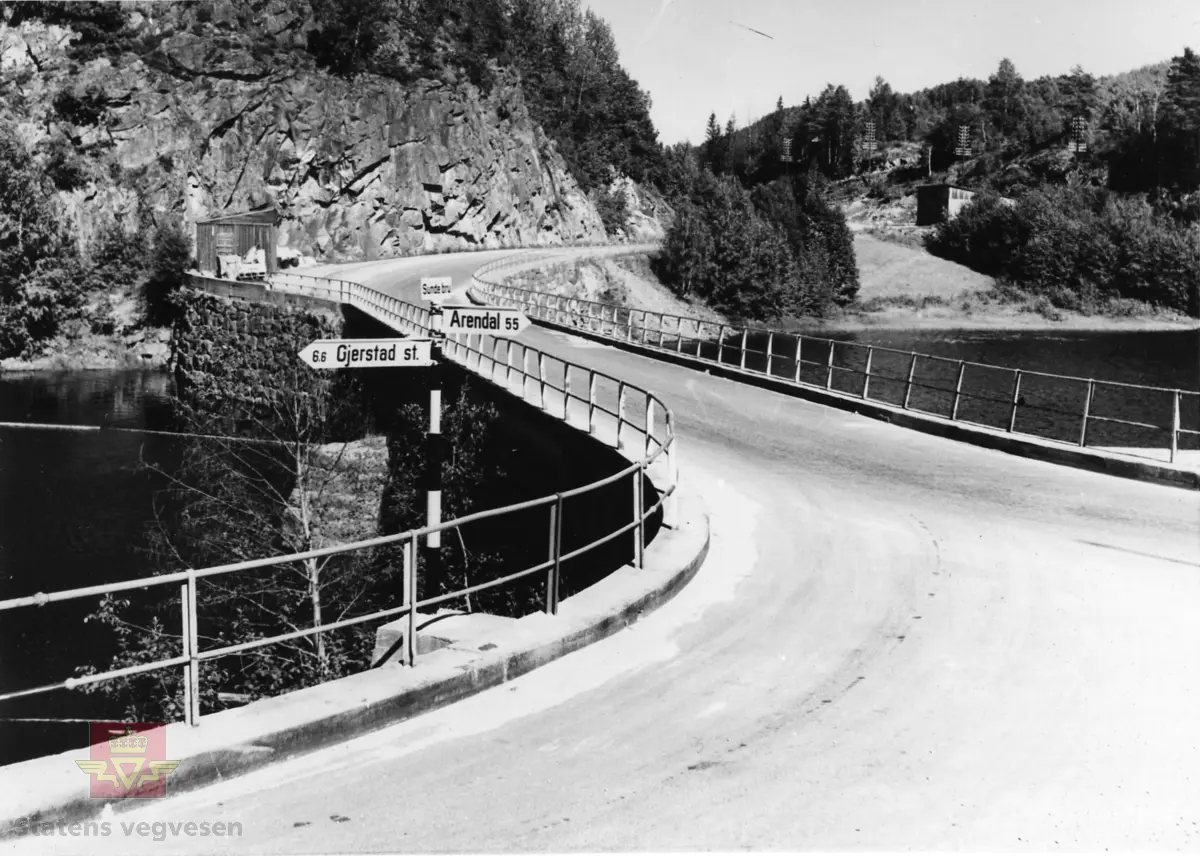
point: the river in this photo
(74, 507)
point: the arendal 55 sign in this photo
(491, 320)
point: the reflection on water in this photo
(1168, 358)
(74, 507)
(73, 511)
(1053, 407)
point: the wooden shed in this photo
(235, 235)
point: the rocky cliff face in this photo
(218, 111)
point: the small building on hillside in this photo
(937, 203)
(238, 235)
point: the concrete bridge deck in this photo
(896, 642)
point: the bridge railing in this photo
(632, 419)
(1139, 420)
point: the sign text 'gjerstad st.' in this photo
(367, 353)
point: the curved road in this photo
(897, 642)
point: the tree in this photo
(713, 144)
(835, 127)
(278, 477)
(730, 148)
(882, 109)
(1079, 96)
(1004, 101)
(43, 282)
(169, 258)
(1179, 124)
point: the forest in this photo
(1102, 173)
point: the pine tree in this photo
(1179, 125)
(712, 144)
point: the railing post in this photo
(541, 364)
(699, 336)
(566, 389)
(669, 508)
(192, 693)
(508, 363)
(912, 368)
(552, 572)
(410, 598)
(799, 345)
(591, 402)
(867, 372)
(661, 324)
(639, 543)
(679, 334)
(186, 639)
(492, 371)
(628, 325)
(962, 369)
(745, 333)
(829, 366)
(620, 412)
(721, 344)
(649, 424)
(770, 351)
(1175, 425)
(1087, 412)
(1016, 397)
(645, 326)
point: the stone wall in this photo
(234, 348)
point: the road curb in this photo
(1013, 444)
(233, 742)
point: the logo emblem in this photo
(128, 760)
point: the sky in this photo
(696, 57)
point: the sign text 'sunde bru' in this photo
(158, 830)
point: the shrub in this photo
(613, 208)
(1077, 247)
(169, 259)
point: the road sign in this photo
(367, 353)
(491, 320)
(435, 289)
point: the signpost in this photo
(435, 289)
(425, 353)
(488, 320)
(367, 353)
(416, 353)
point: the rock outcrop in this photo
(219, 111)
(648, 215)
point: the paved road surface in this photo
(897, 642)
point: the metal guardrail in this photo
(610, 404)
(957, 390)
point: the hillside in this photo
(1086, 190)
(217, 107)
(374, 130)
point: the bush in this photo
(42, 282)
(169, 259)
(119, 257)
(63, 164)
(1077, 247)
(613, 208)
